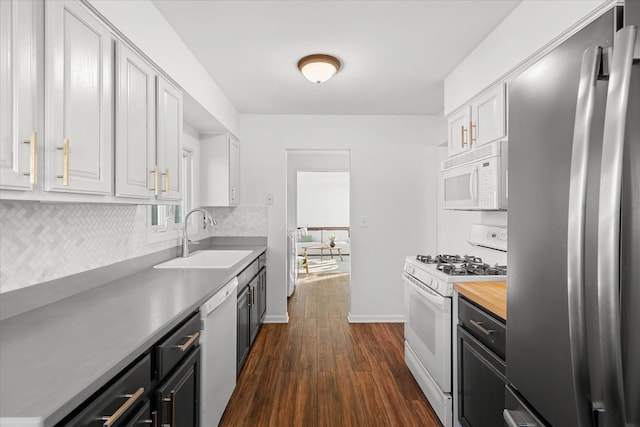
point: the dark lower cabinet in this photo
(116, 404)
(252, 306)
(254, 315)
(481, 369)
(243, 327)
(178, 396)
(160, 389)
(262, 294)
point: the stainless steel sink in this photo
(207, 259)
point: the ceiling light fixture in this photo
(319, 68)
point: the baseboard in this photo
(390, 318)
(276, 319)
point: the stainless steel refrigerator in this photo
(573, 296)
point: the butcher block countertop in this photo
(490, 295)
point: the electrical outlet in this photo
(364, 221)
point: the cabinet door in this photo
(254, 319)
(79, 100)
(262, 294)
(169, 140)
(19, 58)
(178, 398)
(234, 171)
(243, 328)
(458, 128)
(488, 116)
(135, 125)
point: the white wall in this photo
(529, 28)
(142, 23)
(393, 182)
(323, 199)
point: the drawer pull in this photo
(481, 328)
(185, 346)
(132, 398)
(171, 399)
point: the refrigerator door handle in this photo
(591, 61)
(609, 224)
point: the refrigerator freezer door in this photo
(542, 111)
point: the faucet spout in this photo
(185, 235)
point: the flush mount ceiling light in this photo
(319, 68)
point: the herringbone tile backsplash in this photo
(45, 241)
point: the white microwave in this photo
(476, 180)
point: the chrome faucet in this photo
(185, 237)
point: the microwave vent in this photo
(489, 150)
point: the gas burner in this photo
(446, 259)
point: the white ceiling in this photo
(395, 54)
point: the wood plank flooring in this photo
(319, 370)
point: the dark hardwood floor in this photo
(319, 370)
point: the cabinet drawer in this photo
(247, 274)
(178, 397)
(484, 327)
(127, 394)
(262, 260)
(174, 347)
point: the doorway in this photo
(318, 213)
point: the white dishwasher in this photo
(218, 341)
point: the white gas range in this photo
(428, 288)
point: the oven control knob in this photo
(410, 269)
(436, 285)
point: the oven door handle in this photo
(432, 297)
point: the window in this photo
(165, 221)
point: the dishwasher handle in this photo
(220, 297)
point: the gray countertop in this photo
(54, 357)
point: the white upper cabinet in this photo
(458, 130)
(169, 140)
(483, 120)
(135, 125)
(79, 100)
(219, 171)
(488, 115)
(20, 59)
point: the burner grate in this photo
(467, 265)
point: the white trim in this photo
(276, 318)
(375, 318)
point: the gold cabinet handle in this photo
(166, 181)
(33, 172)
(156, 177)
(184, 347)
(462, 131)
(109, 421)
(471, 138)
(65, 169)
(171, 399)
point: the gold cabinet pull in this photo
(166, 181)
(462, 141)
(65, 168)
(184, 347)
(156, 177)
(33, 167)
(109, 421)
(171, 399)
(471, 138)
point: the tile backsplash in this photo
(45, 241)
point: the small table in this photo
(322, 248)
